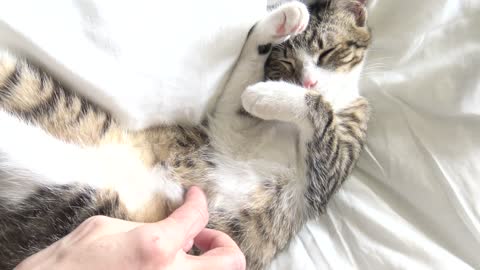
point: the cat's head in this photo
(335, 42)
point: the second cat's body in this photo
(269, 158)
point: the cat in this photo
(286, 132)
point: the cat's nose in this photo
(309, 83)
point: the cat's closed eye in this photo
(324, 54)
(348, 58)
(288, 64)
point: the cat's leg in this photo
(329, 145)
(277, 26)
(331, 141)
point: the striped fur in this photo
(36, 98)
(335, 147)
(63, 207)
(332, 39)
(269, 158)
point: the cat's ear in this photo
(358, 8)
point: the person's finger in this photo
(231, 261)
(190, 218)
(182, 225)
(209, 239)
(188, 246)
(219, 252)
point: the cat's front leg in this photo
(330, 141)
(277, 100)
(288, 20)
(283, 101)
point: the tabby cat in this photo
(269, 157)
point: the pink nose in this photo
(309, 83)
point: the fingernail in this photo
(188, 246)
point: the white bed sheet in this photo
(148, 62)
(414, 200)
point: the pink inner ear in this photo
(359, 11)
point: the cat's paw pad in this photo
(292, 19)
(284, 22)
(274, 101)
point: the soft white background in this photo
(148, 61)
(414, 200)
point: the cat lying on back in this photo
(269, 158)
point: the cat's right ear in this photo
(357, 8)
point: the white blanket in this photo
(414, 200)
(134, 58)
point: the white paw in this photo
(340, 98)
(339, 89)
(275, 101)
(284, 22)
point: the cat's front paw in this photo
(284, 22)
(340, 97)
(275, 100)
(291, 19)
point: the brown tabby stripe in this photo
(9, 83)
(334, 150)
(107, 123)
(51, 212)
(33, 96)
(43, 108)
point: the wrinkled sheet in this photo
(148, 62)
(414, 200)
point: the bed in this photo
(413, 202)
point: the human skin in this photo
(106, 243)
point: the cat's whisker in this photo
(378, 67)
(371, 66)
(378, 61)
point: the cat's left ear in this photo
(358, 8)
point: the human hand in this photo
(106, 243)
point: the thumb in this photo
(182, 225)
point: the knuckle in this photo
(97, 222)
(91, 224)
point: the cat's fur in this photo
(269, 158)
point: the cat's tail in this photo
(35, 97)
(23, 88)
